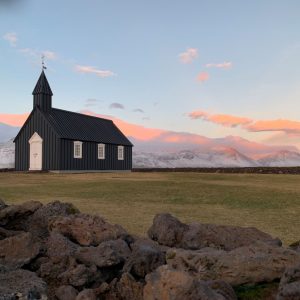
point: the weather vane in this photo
(43, 62)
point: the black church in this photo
(52, 139)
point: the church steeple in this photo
(42, 94)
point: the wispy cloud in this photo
(278, 125)
(188, 56)
(224, 65)
(94, 70)
(222, 119)
(91, 102)
(287, 126)
(116, 105)
(11, 37)
(138, 110)
(203, 76)
(49, 55)
(13, 119)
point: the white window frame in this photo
(120, 152)
(101, 146)
(79, 155)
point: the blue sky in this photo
(135, 47)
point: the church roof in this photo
(42, 86)
(76, 126)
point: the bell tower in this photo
(42, 94)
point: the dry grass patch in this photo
(268, 202)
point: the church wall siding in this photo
(51, 143)
(90, 161)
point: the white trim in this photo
(120, 152)
(35, 153)
(79, 154)
(101, 151)
(35, 138)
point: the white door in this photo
(36, 153)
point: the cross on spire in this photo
(43, 62)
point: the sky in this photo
(213, 68)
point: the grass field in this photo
(268, 202)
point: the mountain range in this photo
(173, 149)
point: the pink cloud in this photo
(188, 56)
(131, 130)
(203, 76)
(229, 120)
(287, 126)
(93, 70)
(13, 119)
(198, 114)
(224, 65)
(222, 119)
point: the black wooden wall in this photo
(51, 143)
(90, 161)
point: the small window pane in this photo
(77, 149)
(120, 152)
(101, 151)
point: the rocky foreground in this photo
(55, 252)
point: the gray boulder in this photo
(289, 287)
(18, 250)
(15, 217)
(66, 292)
(169, 284)
(146, 256)
(86, 230)
(169, 231)
(107, 254)
(58, 245)
(253, 264)
(38, 221)
(125, 288)
(79, 275)
(22, 284)
(5, 233)
(87, 294)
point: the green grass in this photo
(268, 202)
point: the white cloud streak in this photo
(12, 38)
(93, 70)
(188, 56)
(224, 65)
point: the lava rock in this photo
(289, 287)
(107, 254)
(22, 284)
(169, 284)
(86, 230)
(252, 264)
(18, 250)
(169, 231)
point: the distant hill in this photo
(7, 132)
(281, 159)
(7, 155)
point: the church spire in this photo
(42, 94)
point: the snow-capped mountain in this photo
(7, 132)
(281, 159)
(219, 157)
(7, 155)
